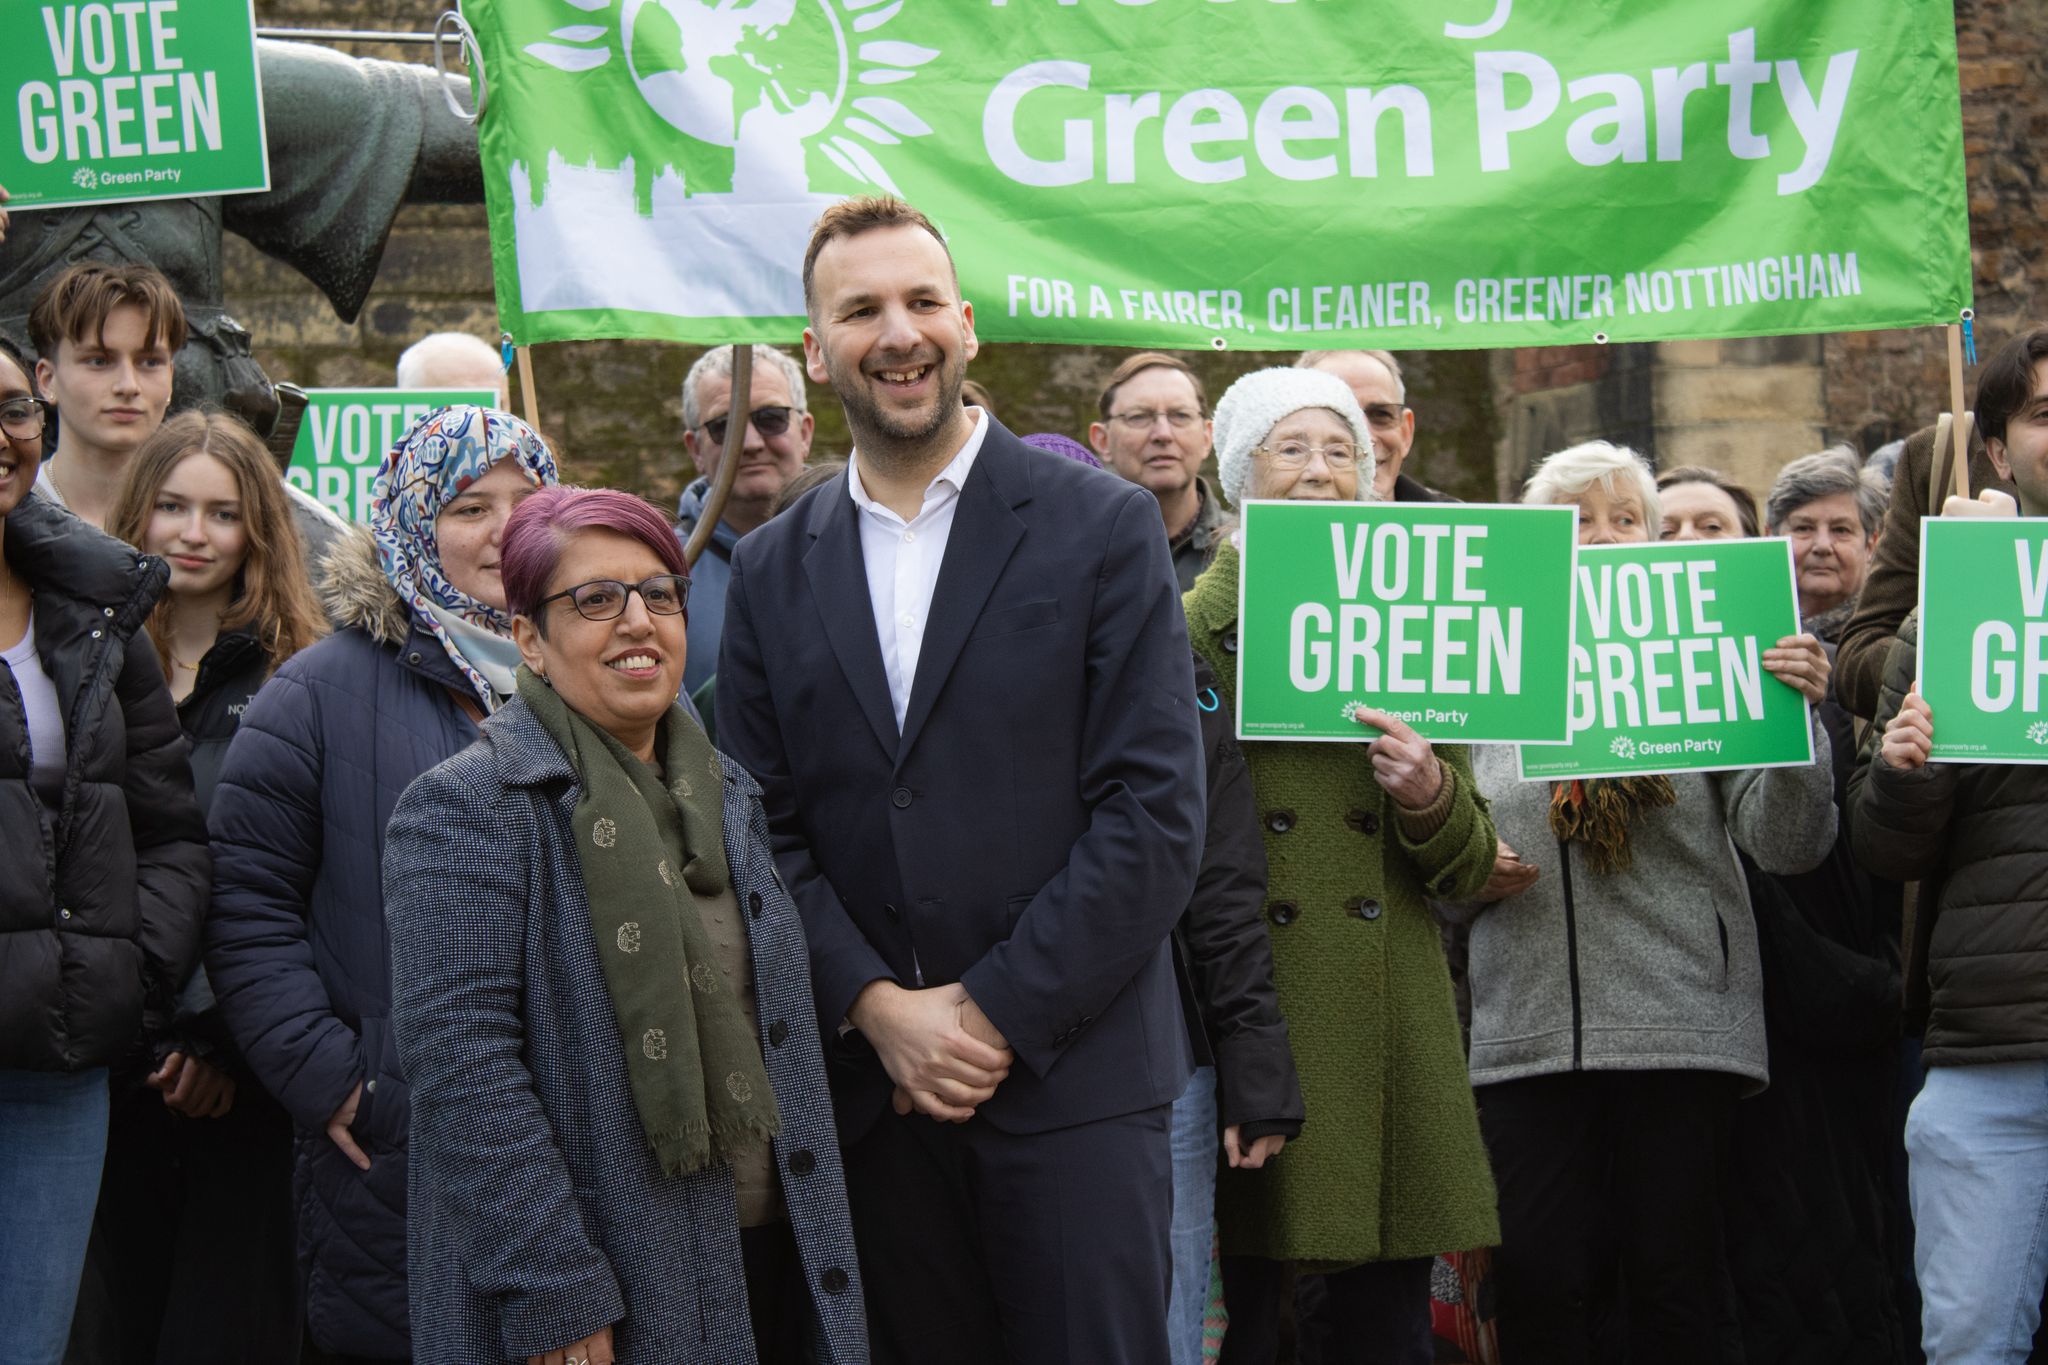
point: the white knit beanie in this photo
(1255, 404)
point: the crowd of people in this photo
(483, 936)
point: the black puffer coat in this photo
(296, 944)
(100, 899)
(1975, 828)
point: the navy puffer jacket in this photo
(99, 899)
(296, 945)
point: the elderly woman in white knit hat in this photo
(1389, 1169)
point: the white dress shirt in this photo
(903, 559)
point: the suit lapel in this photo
(839, 585)
(985, 533)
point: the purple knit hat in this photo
(1057, 444)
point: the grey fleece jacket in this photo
(1654, 969)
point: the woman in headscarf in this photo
(1389, 1170)
(296, 945)
(1617, 1006)
(623, 1142)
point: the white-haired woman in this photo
(1617, 1009)
(1389, 1170)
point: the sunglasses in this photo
(767, 421)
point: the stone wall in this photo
(615, 407)
(1484, 417)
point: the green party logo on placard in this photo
(119, 100)
(1667, 666)
(1984, 637)
(346, 433)
(1453, 618)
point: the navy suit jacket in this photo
(1035, 830)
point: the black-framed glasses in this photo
(604, 599)
(24, 418)
(768, 421)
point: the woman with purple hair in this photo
(622, 1142)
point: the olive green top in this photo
(1389, 1165)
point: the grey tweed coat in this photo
(537, 1212)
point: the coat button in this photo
(834, 1280)
(893, 913)
(413, 658)
(1281, 912)
(901, 797)
(370, 1086)
(97, 634)
(1364, 821)
(1280, 821)
(64, 914)
(778, 1033)
(802, 1163)
(754, 904)
(1365, 907)
(107, 612)
(1230, 642)
(1446, 884)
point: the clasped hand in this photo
(944, 1055)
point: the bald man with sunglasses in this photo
(778, 442)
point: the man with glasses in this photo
(777, 444)
(1374, 378)
(1155, 432)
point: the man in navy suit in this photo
(961, 675)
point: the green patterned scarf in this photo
(694, 1063)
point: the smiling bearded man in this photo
(961, 676)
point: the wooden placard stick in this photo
(1959, 429)
(528, 399)
(738, 413)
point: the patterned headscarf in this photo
(440, 455)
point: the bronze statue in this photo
(351, 139)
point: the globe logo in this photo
(776, 93)
(762, 80)
(735, 77)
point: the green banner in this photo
(1195, 174)
(118, 100)
(1667, 663)
(1446, 616)
(347, 432)
(1984, 637)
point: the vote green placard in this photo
(118, 100)
(1984, 637)
(1667, 664)
(1452, 617)
(346, 433)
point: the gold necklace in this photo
(189, 668)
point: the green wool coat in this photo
(1390, 1165)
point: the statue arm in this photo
(351, 139)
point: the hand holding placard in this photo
(1402, 762)
(1909, 735)
(1799, 662)
(1989, 503)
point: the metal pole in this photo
(738, 413)
(344, 35)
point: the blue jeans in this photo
(1977, 1141)
(1194, 1213)
(53, 1141)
